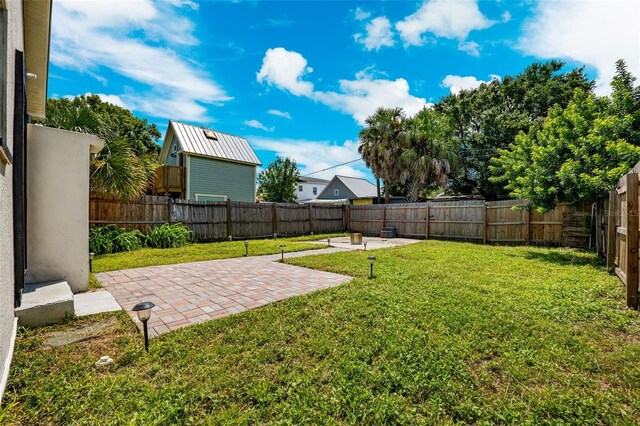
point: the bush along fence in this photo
(501, 222)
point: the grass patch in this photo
(199, 252)
(447, 333)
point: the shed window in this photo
(299, 188)
(336, 192)
(315, 190)
(210, 134)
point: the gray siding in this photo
(216, 177)
(327, 193)
(173, 161)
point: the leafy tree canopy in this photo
(278, 182)
(488, 118)
(577, 153)
(142, 136)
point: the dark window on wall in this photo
(315, 190)
(300, 188)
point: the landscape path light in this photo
(91, 256)
(371, 260)
(328, 242)
(364, 243)
(246, 247)
(282, 252)
(143, 310)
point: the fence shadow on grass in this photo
(566, 258)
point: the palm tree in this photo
(380, 145)
(427, 154)
(115, 170)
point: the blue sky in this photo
(298, 77)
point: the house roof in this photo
(227, 147)
(361, 188)
(312, 180)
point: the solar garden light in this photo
(246, 247)
(371, 260)
(230, 237)
(91, 256)
(282, 252)
(275, 236)
(364, 243)
(328, 242)
(143, 310)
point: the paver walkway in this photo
(190, 293)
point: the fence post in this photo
(426, 231)
(229, 223)
(632, 240)
(346, 218)
(611, 229)
(484, 222)
(274, 218)
(170, 211)
(311, 227)
(527, 226)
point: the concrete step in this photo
(45, 303)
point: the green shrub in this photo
(128, 241)
(169, 236)
(111, 239)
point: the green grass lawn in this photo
(200, 252)
(446, 333)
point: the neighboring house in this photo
(206, 165)
(43, 242)
(310, 188)
(348, 190)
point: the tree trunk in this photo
(378, 188)
(386, 192)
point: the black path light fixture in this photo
(143, 310)
(282, 246)
(246, 248)
(371, 260)
(91, 256)
(364, 243)
(328, 242)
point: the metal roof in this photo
(312, 180)
(227, 147)
(361, 188)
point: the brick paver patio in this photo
(190, 293)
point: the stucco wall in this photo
(58, 206)
(14, 41)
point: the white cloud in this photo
(456, 83)
(133, 41)
(361, 14)
(470, 47)
(592, 32)
(278, 113)
(378, 34)
(312, 156)
(285, 69)
(359, 97)
(443, 18)
(113, 99)
(258, 125)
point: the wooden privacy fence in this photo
(213, 221)
(500, 222)
(622, 234)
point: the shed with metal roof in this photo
(213, 166)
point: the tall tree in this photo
(488, 118)
(116, 169)
(279, 181)
(427, 153)
(381, 146)
(579, 152)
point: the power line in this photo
(332, 167)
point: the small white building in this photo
(309, 188)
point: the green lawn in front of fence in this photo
(202, 251)
(446, 333)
